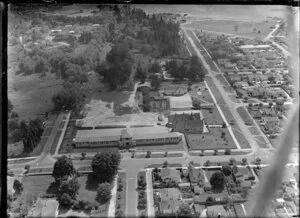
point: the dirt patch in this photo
(181, 102)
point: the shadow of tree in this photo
(53, 188)
(91, 182)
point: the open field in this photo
(235, 28)
(213, 118)
(233, 98)
(240, 138)
(245, 116)
(261, 141)
(210, 141)
(25, 91)
(181, 102)
(200, 92)
(254, 130)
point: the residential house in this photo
(170, 174)
(195, 175)
(271, 124)
(246, 184)
(244, 173)
(215, 210)
(241, 84)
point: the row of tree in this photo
(28, 132)
(194, 70)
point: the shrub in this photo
(227, 151)
(215, 152)
(65, 200)
(120, 187)
(166, 154)
(103, 193)
(148, 154)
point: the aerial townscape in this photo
(124, 110)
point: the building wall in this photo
(158, 141)
(97, 144)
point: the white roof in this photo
(254, 46)
(94, 135)
(280, 200)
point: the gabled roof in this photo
(170, 173)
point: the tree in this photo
(236, 28)
(65, 200)
(63, 167)
(260, 104)
(270, 104)
(166, 154)
(154, 67)
(227, 151)
(244, 161)
(224, 125)
(18, 187)
(70, 186)
(217, 180)
(165, 164)
(250, 105)
(148, 154)
(140, 74)
(226, 170)
(10, 107)
(232, 161)
(103, 193)
(155, 82)
(105, 165)
(184, 210)
(210, 199)
(83, 154)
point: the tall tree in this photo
(105, 165)
(63, 167)
(69, 186)
(103, 193)
(217, 180)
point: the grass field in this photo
(210, 141)
(245, 29)
(233, 98)
(245, 116)
(25, 91)
(225, 84)
(212, 118)
(240, 138)
(55, 142)
(254, 130)
(214, 90)
(261, 141)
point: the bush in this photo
(120, 187)
(103, 193)
(148, 154)
(65, 200)
(227, 151)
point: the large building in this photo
(125, 137)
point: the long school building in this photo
(125, 138)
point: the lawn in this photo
(181, 102)
(261, 141)
(254, 130)
(243, 28)
(210, 141)
(201, 93)
(214, 90)
(245, 116)
(233, 98)
(213, 118)
(166, 147)
(240, 138)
